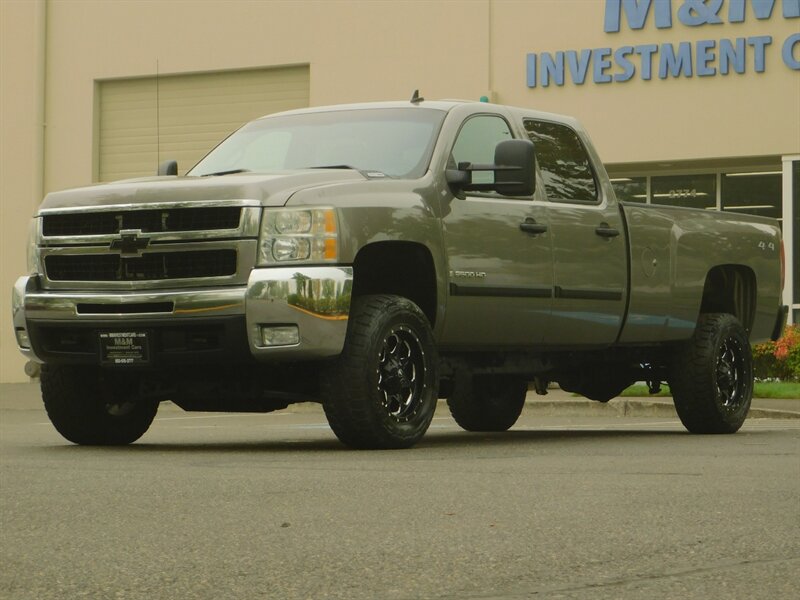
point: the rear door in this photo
(588, 238)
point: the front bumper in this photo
(314, 299)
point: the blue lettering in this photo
(530, 69)
(628, 70)
(728, 55)
(578, 67)
(646, 51)
(759, 42)
(704, 54)
(601, 63)
(762, 9)
(696, 12)
(788, 52)
(552, 68)
(636, 14)
(675, 65)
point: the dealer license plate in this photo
(124, 347)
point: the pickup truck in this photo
(377, 257)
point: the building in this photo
(688, 102)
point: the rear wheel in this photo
(382, 390)
(711, 378)
(87, 409)
(487, 403)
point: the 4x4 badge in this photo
(130, 242)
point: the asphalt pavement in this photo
(214, 505)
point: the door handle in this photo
(532, 227)
(603, 230)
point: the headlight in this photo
(298, 235)
(33, 247)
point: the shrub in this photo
(781, 359)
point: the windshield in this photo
(397, 142)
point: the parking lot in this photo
(272, 506)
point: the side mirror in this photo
(168, 167)
(514, 173)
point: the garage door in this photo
(145, 121)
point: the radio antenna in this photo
(158, 118)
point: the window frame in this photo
(514, 136)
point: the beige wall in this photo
(21, 133)
(752, 114)
(360, 51)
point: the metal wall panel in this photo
(144, 121)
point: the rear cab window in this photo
(563, 162)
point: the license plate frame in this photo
(124, 348)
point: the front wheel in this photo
(711, 377)
(382, 390)
(86, 407)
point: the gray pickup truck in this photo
(377, 257)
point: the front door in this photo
(498, 253)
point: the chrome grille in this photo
(155, 246)
(150, 266)
(207, 218)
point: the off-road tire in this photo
(381, 392)
(487, 403)
(711, 376)
(85, 411)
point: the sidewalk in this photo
(26, 396)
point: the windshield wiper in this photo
(334, 167)
(369, 174)
(229, 172)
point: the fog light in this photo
(280, 335)
(23, 341)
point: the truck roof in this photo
(442, 105)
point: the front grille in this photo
(151, 266)
(207, 218)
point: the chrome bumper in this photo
(315, 299)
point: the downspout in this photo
(38, 184)
(32, 369)
(490, 75)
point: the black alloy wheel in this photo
(382, 390)
(711, 376)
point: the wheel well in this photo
(731, 289)
(401, 268)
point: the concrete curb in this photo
(632, 407)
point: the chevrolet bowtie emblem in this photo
(130, 242)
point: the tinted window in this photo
(563, 162)
(692, 191)
(476, 143)
(756, 193)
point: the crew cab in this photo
(377, 257)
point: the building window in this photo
(691, 191)
(630, 189)
(756, 193)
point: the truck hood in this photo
(271, 189)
